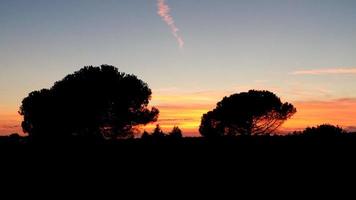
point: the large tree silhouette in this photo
(247, 113)
(92, 102)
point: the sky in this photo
(190, 52)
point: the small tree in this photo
(157, 132)
(176, 132)
(145, 135)
(324, 130)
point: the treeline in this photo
(101, 103)
(311, 135)
(158, 133)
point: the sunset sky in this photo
(190, 52)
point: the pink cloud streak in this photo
(326, 71)
(164, 13)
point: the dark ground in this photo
(276, 164)
(209, 147)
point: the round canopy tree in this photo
(324, 130)
(92, 102)
(247, 113)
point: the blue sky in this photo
(230, 45)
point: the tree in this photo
(92, 102)
(247, 113)
(324, 130)
(145, 135)
(176, 133)
(157, 132)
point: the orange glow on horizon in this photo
(10, 123)
(186, 110)
(187, 116)
(339, 112)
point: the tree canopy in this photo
(247, 113)
(92, 102)
(324, 130)
(176, 132)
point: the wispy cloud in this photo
(164, 13)
(351, 70)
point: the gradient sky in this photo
(303, 50)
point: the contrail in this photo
(163, 12)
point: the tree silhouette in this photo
(157, 132)
(145, 135)
(247, 113)
(176, 133)
(92, 102)
(324, 130)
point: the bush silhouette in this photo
(92, 102)
(324, 130)
(247, 113)
(145, 135)
(158, 133)
(176, 133)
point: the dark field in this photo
(238, 159)
(187, 145)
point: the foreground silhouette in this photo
(311, 136)
(247, 113)
(324, 130)
(94, 102)
(100, 105)
(158, 134)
